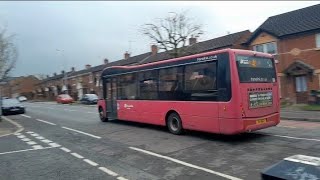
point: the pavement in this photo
(69, 142)
(299, 115)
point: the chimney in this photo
(73, 69)
(62, 72)
(54, 74)
(88, 66)
(126, 55)
(106, 61)
(192, 40)
(154, 49)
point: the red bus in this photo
(227, 91)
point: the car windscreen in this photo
(10, 102)
(92, 96)
(252, 69)
(65, 96)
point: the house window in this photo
(301, 83)
(90, 78)
(318, 40)
(270, 48)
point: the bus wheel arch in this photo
(102, 116)
(174, 122)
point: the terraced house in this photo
(294, 39)
(87, 80)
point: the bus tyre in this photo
(101, 115)
(174, 124)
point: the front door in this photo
(111, 98)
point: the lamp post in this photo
(65, 75)
(1, 83)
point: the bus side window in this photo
(127, 89)
(200, 81)
(170, 83)
(148, 85)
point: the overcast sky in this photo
(88, 32)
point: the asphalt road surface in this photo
(70, 142)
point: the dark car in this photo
(12, 106)
(89, 99)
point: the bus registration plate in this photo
(261, 121)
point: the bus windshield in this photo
(253, 69)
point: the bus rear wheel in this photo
(101, 115)
(174, 124)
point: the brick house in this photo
(294, 39)
(87, 80)
(19, 86)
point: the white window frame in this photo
(300, 81)
(264, 45)
(318, 40)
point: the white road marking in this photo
(46, 122)
(37, 147)
(25, 116)
(39, 137)
(46, 141)
(30, 132)
(24, 150)
(92, 112)
(121, 178)
(71, 110)
(290, 137)
(77, 155)
(65, 149)
(25, 139)
(90, 162)
(20, 128)
(287, 126)
(34, 134)
(97, 137)
(54, 145)
(186, 164)
(31, 143)
(21, 136)
(17, 134)
(108, 171)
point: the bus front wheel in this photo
(174, 124)
(101, 115)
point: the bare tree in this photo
(8, 54)
(172, 32)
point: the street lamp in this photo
(1, 83)
(65, 84)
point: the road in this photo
(69, 142)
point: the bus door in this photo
(112, 98)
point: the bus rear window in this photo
(255, 69)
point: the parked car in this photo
(22, 98)
(89, 99)
(64, 99)
(12, 106)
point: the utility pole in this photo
(1, 84)
(65, 75)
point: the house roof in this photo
(212, 44)
(299, 65)
(293, 22)
(204, 46)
